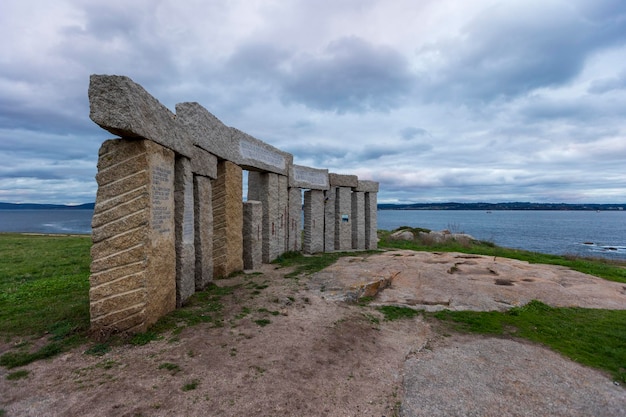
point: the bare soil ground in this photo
(294, 348)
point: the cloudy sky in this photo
(438, 100)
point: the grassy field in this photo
(44, 293)
(44, 306)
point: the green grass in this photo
(44, 280)
(44, 292)
(262, 322)
(395, 313)
(603, 268)
(592, 337)
(172, 367)
(14, 376)
(306, 265)
(191, 385)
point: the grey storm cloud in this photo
(438, 100)
(351, 75)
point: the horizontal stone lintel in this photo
(309, 178)
(125, 108)
(367, 186)
(340, 180)
(255, 155)
(209, 133)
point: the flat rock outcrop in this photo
(457, 281)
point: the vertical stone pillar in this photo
(294, 232)
(343, 224)
(283, 210)
(343, 209)
(133, 269)
(370, 188)
(184, 230)
(252, 234)
(227, 220)
(358, 220)
(203, 215)
(254, 186)
(329, 219)
(313, 221)
(371, 221)
(204, 168)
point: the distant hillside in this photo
(12, 206)
(501, 206)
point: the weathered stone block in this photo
(367, 186)
(209, 133)
(125, 108)
(329, 219)
(184, 226)
(133, 275)
(311, 178)
(371, 221)
(252, 234)
(227, 219)
(203, 163)
(343, 222)
(358, 220)
(283, 215)
(340, 180)
(294, 232)
(203, 216)
(313, 221)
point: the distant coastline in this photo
(30, 206)
(411, 206)
(503, 206)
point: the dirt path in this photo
(287, 348)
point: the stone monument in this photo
(169, 213)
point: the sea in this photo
(580, 233)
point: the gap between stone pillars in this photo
(266, 188)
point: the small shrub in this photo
(141, 339)
(22, 373)
(98, 349)
(191, 385)
(262, 322)
(172, 367)
(15, 359)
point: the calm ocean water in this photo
(584, 233)
(46, 221)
